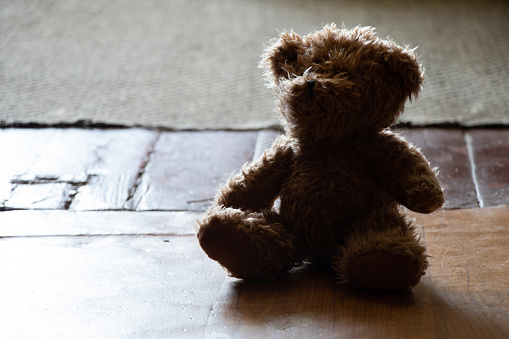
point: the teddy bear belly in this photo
(322, 221)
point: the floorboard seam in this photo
(473, 168)
(259, 148)
(98, 235)
(132, 191)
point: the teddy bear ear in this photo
(404, 62)
(280, 58)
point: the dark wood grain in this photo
(489, 154)
(186, 168)
(446, 149)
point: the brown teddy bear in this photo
(340, 173)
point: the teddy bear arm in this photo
(423, 193)
(258, 184)
(413, 183)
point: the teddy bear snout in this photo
(311, 84)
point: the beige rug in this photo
(193, 64)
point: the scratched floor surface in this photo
(97, 240)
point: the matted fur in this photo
(339, 171)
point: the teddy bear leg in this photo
(251, 246)
(383, 253)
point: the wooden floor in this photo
(97, 240)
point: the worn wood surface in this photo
(97, 240)
(489, 155)
(71, 168)
(139, 169)
(142, 274)
(186, 168)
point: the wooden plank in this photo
(40, 196)
(463, 295)
(67, 156)
(308, 304)
(105, 287)
(81, 168)
(20, 149)
(105, 163)
(112, 180)
(300, 305)
(37, 223)
(186, 168)
(108, 191)
(446, 149)
(469, 271)
(120, 282)
(391, 315)
(489, 151)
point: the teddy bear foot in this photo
(227, 244)
(383, 271)
(248, 245)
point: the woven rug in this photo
(190, 64)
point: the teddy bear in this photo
(341, 175)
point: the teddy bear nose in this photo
(311, 84)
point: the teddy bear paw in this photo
(229, 245)
(425, 201)
(384, 271)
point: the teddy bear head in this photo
(339, 83)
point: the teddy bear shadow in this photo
(310, 298)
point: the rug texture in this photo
(190, 64)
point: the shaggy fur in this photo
(340, 173)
